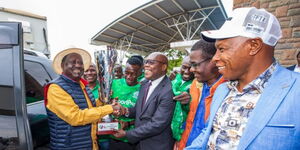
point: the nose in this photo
(216, 56)
(192, 69)
(78, 63)
(187, 70)
(88, 72)
(146, 65)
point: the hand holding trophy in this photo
(116, 107)
(105, 61)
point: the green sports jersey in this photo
(95, 91)
(127, 97)
(181, 111)
(141, 77)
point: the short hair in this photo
(208, 48)
(138, 57)
(298, 54)
(134, 61)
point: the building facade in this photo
(34, 29)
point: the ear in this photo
(164, 67)
(62, 66)
(256, 45)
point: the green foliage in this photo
(175, 58)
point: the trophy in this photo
(105, 61)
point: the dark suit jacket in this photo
(153, 122)
(291, 67)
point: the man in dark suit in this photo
(296, 67)
(154, 108)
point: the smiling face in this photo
(232, 57)
(131, 74)
(203, 68)
(118, 72)
(155, 66)
(185, 70)
(72, 66)
(91, 74)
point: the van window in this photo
(36, 77)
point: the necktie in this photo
(146, 90)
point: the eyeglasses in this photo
(199, 63)
(152, 62)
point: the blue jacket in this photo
(63, 136)
(274, 123)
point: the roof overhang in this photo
(156, 24)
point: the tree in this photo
(175, 58)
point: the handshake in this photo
(118, 110)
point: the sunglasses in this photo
(152, 62)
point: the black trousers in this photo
(120, 145)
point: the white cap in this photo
(248, 22)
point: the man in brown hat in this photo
(70, 105)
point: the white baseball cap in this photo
(248, 22)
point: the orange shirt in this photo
(195, 91)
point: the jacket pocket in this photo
(281, 125)
(283, 129)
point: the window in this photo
(36, 77)
(8, 125)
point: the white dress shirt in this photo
(154, 84)
(297, 68)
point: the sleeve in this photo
(62, 104)
(198, 142)
(132, 112)
(175, 85)
(158, 121)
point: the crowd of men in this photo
(230, 93)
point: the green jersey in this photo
(181, 111)
(141, 77)
(95, 91)
(127, 97)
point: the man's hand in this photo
(114, 101)
(116, 109)
(184, 98)
(123, 124)
(119, 134)
(123, 110)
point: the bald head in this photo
(156, 65)
(159, 56)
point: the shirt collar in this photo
(257, 84)
(157, 81)
(205, 83)
(97, 86)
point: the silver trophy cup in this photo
(105, 61)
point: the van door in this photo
(14, 126)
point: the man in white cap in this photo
(258, 108)
(70, 105)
